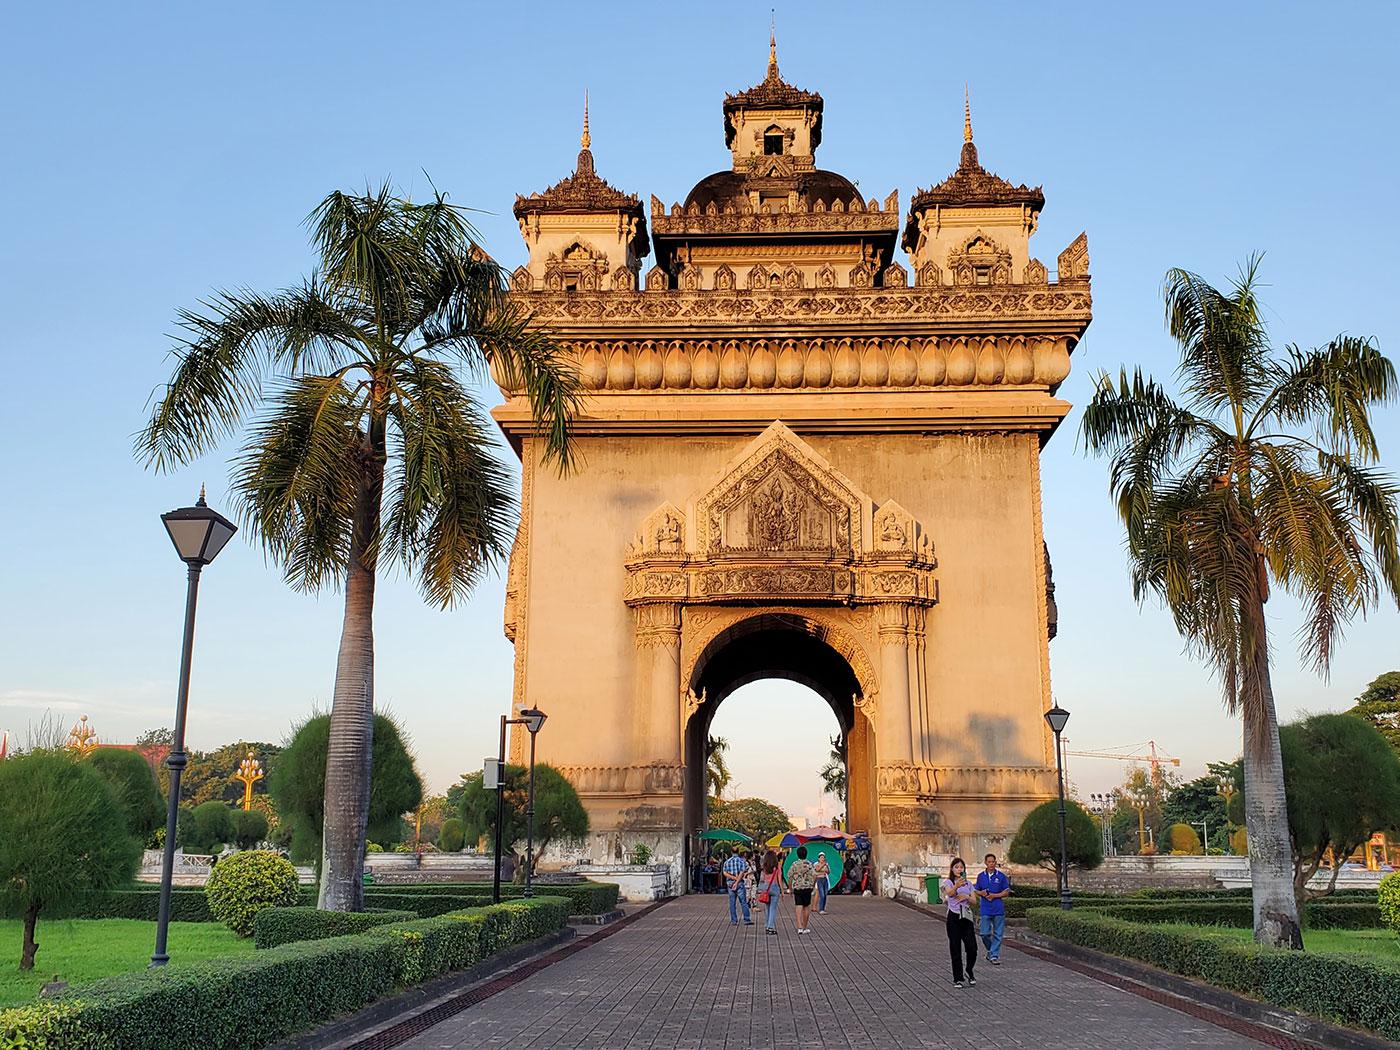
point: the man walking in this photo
(736, 873)
(993, 887)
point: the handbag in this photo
(764, 895)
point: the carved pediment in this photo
(780, 496)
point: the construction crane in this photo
(1154, 762)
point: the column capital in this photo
(893, 621)
(658, 625)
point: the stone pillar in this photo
(658, 684)
(895, 743)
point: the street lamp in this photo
(1058, 717)
(199, 534)
(532, 718)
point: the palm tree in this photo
(833, 774)
(717, 775)
(1262, 471)
(363, 443)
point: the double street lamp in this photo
(1058, 718)
(532, 718)
(199, 534)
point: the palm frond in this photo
(300, 474)
(1334, 387)
(1223, 344)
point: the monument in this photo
(799, 459)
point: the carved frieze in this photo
(653, 778)
(965, 782)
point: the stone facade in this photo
(798, 461)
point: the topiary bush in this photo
(1182, 839)
(242, 885)
(451, 837)
(249, 828)
(1388, 900)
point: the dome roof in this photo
(732, 187)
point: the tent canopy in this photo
(724, 835)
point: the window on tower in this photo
(773, 142)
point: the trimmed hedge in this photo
(1017, 906)
(1345, 988)
(204, 1006)
(587, 898)
(276, 926)
(1237, 913)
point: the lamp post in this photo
(1058, 717)
(199, 534)
(531, 718)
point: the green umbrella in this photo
(724, 835)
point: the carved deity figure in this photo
(668, 535)
(778, 515)
(892, 532)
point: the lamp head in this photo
(198, 533)
(1058, 717)
(533, 718)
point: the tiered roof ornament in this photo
(773, 93)
(973, 184)
(583, 191)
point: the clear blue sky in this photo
(154, 153)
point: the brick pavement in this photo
(871, 974)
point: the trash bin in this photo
(931, 888)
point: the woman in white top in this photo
(962, 933)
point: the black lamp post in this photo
(199, 534)
(531, 718)
(1058, 717)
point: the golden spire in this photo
(201, 502)
(773, 47)
(585, 140)
(967, 114)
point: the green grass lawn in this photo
(1381, 945)
(84, 949)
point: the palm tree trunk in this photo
(1266, 806)
(348, 753)
(31, 918)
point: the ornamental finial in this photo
(585, 140)
(772, 45)
(967, 114)
(200, 502)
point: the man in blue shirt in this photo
(992, 887)
(736, 870)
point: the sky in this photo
(156, 153)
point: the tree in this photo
(209, 774)
(1195, 802)
(1380, 705)
(298, 783)
(1262, 472)
(1038, 839)
(61, 836)
(833, 774)
(558, 812)
(717, 775)
(450, 839)
(249, 827)
(366, 443)
(757, 818)
(206, 826)
(134, 787)
(1343, 784)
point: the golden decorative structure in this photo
(967, 114)
(585, 140)
(249, 773)
(82, 738)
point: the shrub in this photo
(276, 926)
(373, 847)
(44, 1026)
(1346, 988)
(451, 838)
(1038, 839)
(205, 827)
(1239, 842)
(1236, 912)
(1388, 900)
(586, 898)
(241, 886)
(1182, 838)
(249, 828)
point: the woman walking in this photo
(823, 873)
(962, 934)
(802, 877)
(770, 891)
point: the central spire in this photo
(967, 114)
(585, 140)
(773, 49)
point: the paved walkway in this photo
(871, 974)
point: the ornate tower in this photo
(797, 466)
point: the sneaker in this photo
(957, 984)
(971, 980)
(747, 923)
(995, 960)
(773, 932)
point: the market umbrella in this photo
(724, 835)
(784, 840)
(824, 833)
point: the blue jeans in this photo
(741, 892)
(823, 888)
(993, 926)
(770, 918)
